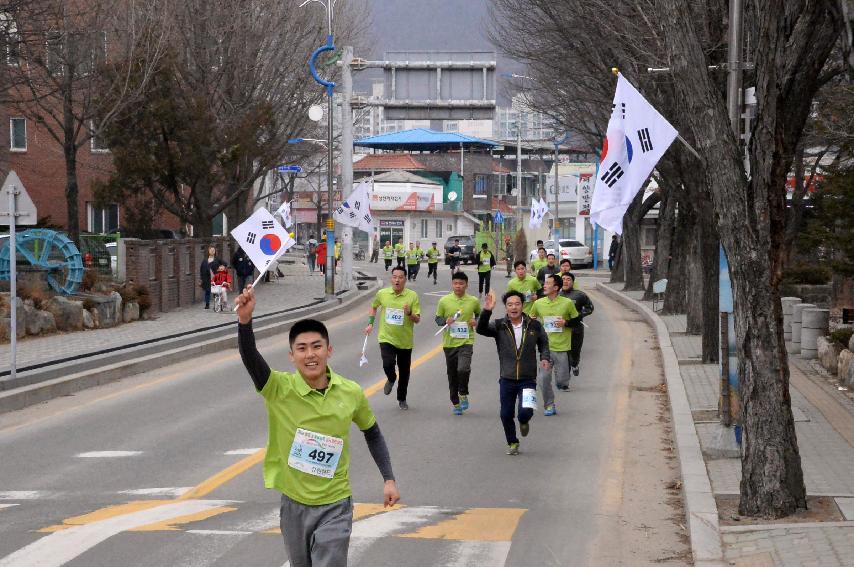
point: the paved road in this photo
(162, 469)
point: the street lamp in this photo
(330, 87)
(556, 231)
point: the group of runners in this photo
(309, 411)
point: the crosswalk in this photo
(460, 536)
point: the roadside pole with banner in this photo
(16, 209)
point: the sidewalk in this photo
(296, 289)
(824, 423)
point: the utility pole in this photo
(347, 164)
(519, 218)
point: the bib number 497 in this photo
(321, 456)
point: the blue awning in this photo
(424, 140)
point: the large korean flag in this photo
(637, 138)
(262, 238)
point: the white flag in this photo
(544, 208)
(284, 211)
(355, 211)
(637, 138)
(535, 206)
(262, 238)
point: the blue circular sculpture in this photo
(49, 250)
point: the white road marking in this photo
(486, 553)
(218, 532)
(108, 454)
(21, 494)
(266, 522)
(7, 506)
(63, 546)
(243, 451)
(174, 491)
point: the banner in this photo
(637, 138)
(403, 200)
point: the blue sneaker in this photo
(458, 410)
(550, 410)
(464, 402)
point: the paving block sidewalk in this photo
(824, 423)
(297, 288)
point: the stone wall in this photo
(170, 268)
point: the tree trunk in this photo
(631, 255)
(694, 271)
(751, 217)
(72, 192)
(618, 272)
(663, 239)
(710, 269)
(676, 294)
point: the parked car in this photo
(579, 254)
(467, 249)
(113, 249)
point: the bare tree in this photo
(66, 56)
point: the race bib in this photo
(529, 398)
(394, 316)
(527, 296)
(459, 330)
(550, 324)
(315, 453)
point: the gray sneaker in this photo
(389, 386)
(513, 449)
(403, 405)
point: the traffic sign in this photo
(25, 209)
(289, 169)
(499, 218)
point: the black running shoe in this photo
(389, 386)
(403, 405)
(524, 428)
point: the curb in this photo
(99, 370)
(701, 510)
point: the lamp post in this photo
(330, 88)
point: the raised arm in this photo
(258, 368)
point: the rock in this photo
(6, 329)
(39, 322)
(109, 310)
(88, 321)
(67, 314)
(851, 343)
(96, 317)
(844, 364)
(848, 377)
(130, 312)
(828, 354)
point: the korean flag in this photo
(262, 238)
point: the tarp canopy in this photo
(423, 140)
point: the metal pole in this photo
(330, 224)
(347, 165)
(519, 175)
(556, 230)
(734, 64)
(13, 281)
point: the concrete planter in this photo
(814, 324)
(788, 309)
(797, 314)
(845, 367)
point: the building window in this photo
(438, 229)
(103, 220)
(424, 228)
(18, 134)
(480, 185)
(96, 142)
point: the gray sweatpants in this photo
(560, 367)
(316, 536)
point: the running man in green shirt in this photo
(541, 261)
(524, 283)
(388, 254)
(413, 261)
(458, 312)
(400, 252)
(485, 263)
(557, 314)
(309, 414)
(432, 262)
(401, 311)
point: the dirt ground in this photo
(645, 525)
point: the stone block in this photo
(828, 354)
(38, 321)
(814, 324)
(67, 314)
(845, 367)
(96, 317)
(851, 343)
(88, 321)
(130, 312)
(797, 314)
(109, 309)
(788, 309)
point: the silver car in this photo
(579, 254)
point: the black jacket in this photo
(582, 304)
(612, 250)
(242, 264)
(546, 271)
(205, 270)
(521, 363)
